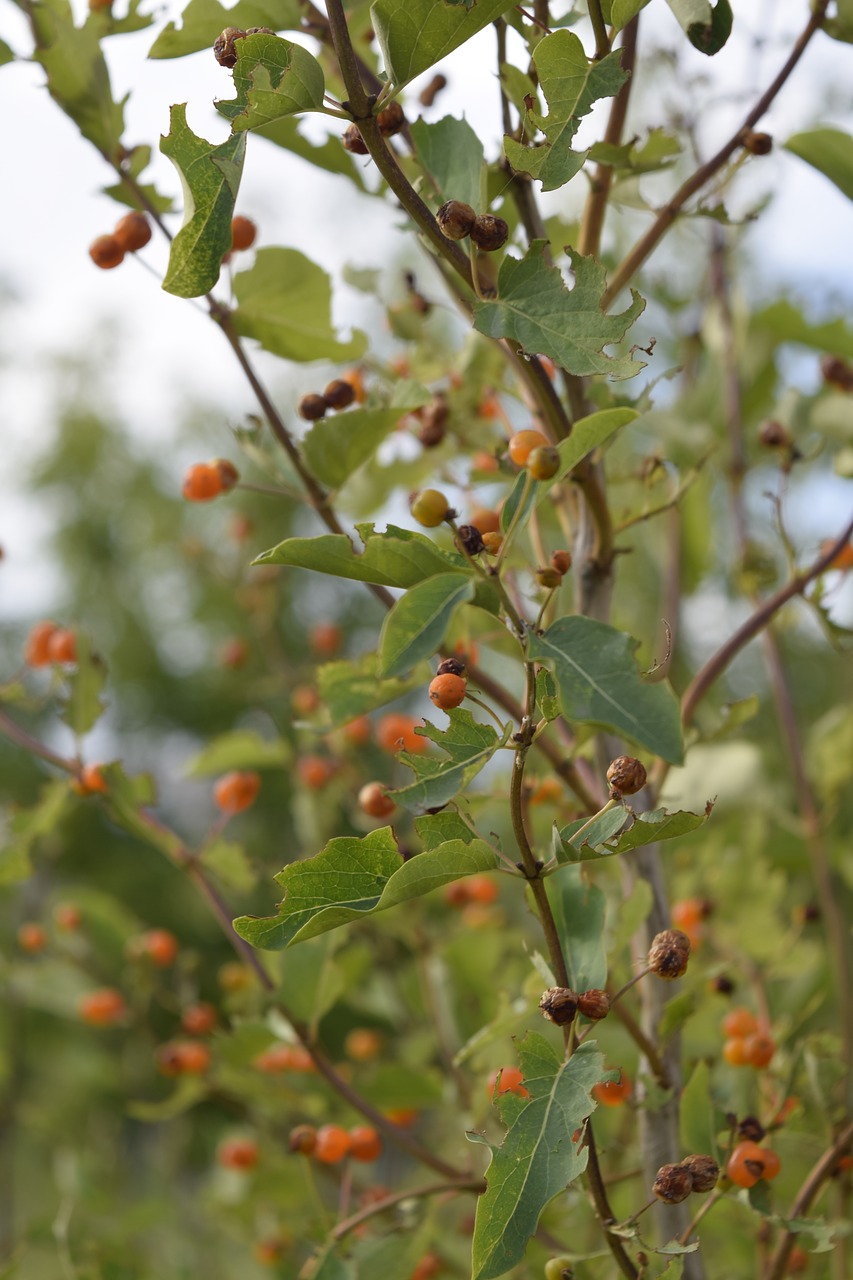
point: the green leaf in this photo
(535, 308)
(588, 434)
(622, 11)
(202, 21)
(601, 829)
(598, 683)
(392, 1085)
(186, 1094)
(82, 707)
(830, 151)
(786, 323)
(417, 624)
(125, 802)
(675, 1013)
(311, 981)
(349, 689)
(414, 34)
(230, 865)
(6, 54)
(697, 1125)
(272, 78)
(240, 749)
(393, 558)
(26, 826)
(210, 176)
(579, 909)
(841, 26)
(657, 152)
(437, 828)
(522, 498)
(77, 75)
(285, 304)
(469, 746)
(537, 1159)
(647, 828)
(571, 84)
(452, 153)
(708, 26)
(336, 447)
(354, 877)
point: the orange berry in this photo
(237, 791)
(734, 1051)
(333, 1144)
(102, 1008)
(522, 444)
(301, 1060)
(843, 560)
(456, 894)
(374, 800)
(234, 976)
(325, 639)
(357, 732)
(749, 1162)
(303, 1139)
(183, 1058)
(106, 252)
(243, 232)
(483, 461)
(759, 1049)
(356, 380)
(428, 1266)
(485, 521)
(202, 482)
(276, 1059)
(199, 1019)
(363, 1044)
(772, 1164)
(489, 407)
(448, 691)
(482, 889)
(315, 772)
(548, 791)
(238, 1153)
(365, 1143)
(476, 915)
(67, 916)
(62, 646)
(798, 1260)
(687, 913)
(403, 1117)
(507, 1080)
(32, 938)
(395, 732)
(304, 699)
(159, 945)
(739, 1022)
(612, 1093)
(493, 543)
(91, 780)
(270, 1252)
(36, 649)
(133, 231)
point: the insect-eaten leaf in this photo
(273, 78)
(469, 746)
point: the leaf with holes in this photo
(273, 78)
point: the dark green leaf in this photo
(6, 54)
(436, 828)
(210, 176)
(647, 828)
(393, 558)
(452, 153)
(571, 84)
(349, 689)
(202, 21)
(414, 34)
(535, 308)
(537, 1159)
(469, 746)
(600, 829)
(284, 302)
(417, 624)
(841, 26)
(273, 78)
(335, 447)
(708, 25)
(598, 683)
(830, 151)
(82, 707)
(240, 749)
(579, 910)
(675, 1013)
(77, 75)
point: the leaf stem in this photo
(475, 1185)
(599, 27)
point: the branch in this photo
(592, 221)
(477, 1185)
(778, 1265)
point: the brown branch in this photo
(778, 1265)
(476, 1185)
(595, 207)
(13, 731)
(603, 1209)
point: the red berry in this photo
(36, 649)
(749, 1162)
(325, 639)
(612, 1093)
(159, 945)
(333, 1144)
(237, 791)
(62, 646)
(102, 1008)
(481, 889)
(183, 1058)
(365, 1143)
(759, 1049)
(243, 232)
(507, 1080)
(92, 780)
(199, 1019)
(315, 772)
(739, 1022)
(396, 732)
(363, 1044)
(202, 482)
(358, 731)
(238, 1153)
(373, 799)
(106, 252)
(32, 938)
(67, 916)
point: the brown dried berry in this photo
(354, 142)
(773, 435)
(257, 31)
(431, 434)
(470, 539)
(339, 394)
(391, 120)
(223, 50)
(489, 233)
(106, 252)
(455, 219)
(228, 473)
(303, 1139)
(133, 231)
(311, 407)
(429, 94)
(837, 373)
(559, 1004)
(594, 1004)
(561, 561)
(673, 1183)
(751, 1127)
(626, 776)
(704, 1171)
(548, 578)
(452, 667)
(669, 953)
(757, 144)
(722, 985)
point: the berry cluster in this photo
(390, 119)
(675, 1182)
(747, 1043)
(283, 1058)
(530, 449)
(48, 644)
(458, 220)
(339, 394)
(330, 1144)
(131, 233)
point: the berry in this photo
(749, 1162)
(391, 120)
(612, 1093)
(403, 1117)
(270, 1252)
(548, 791)
(673, 1183)
(688, 913)
(275, 1060)
(759, 1049)
(489, 233)
(303, 1139)
(561, 561)
(485, 520)
(224, 50)
(559, 1269)
(757, 144)
(739, 1022)
(837, 372)
(106, 252)
(91, 780)
(430, 508)
(238, 1153)
(523, 443)
(452, 667)
(243, 233)
(32, 938)
(492, 542)
(594, 1004)
(199, 1019)
(455, 219)
(843, 559)
(549, 578)
(395, 732)
(357, 731)
(669, 953)
(236, 791)
(62, 646)
(355, 378)
(427, 1266)
(311, 408)
(228, 473)
(456, 894)
(626, 776)
(133, 231)
(315, 772)
(325, 639)
(507, 1080)
(447, 691)
(183, 1058)
(36, 648)
(363, 1044)
(751, 1127)
(374, 801)
(234, 976)
(67, 916)
(353, 141)
(773, 435)
(202, 482)
(304, 699)
(333, 1144)
(734, 1051)
(470, 540)
(559, 1005)
(481, 889)
(234, 654)
(159, 945)
(704, 1171)
(339, 394)
(365, 1143)
(543, 463)
(102, 1008)
(798, 1261)
(430, 92)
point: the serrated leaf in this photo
(336, 447)
(697, 1127)
(272, 78)
(571, 84)
(82, 706)
(535, 308)
(202, 21)
(77, 75)
(452, 154)
(351, 878)
(284, 302)
(240, 749)
(469, 746)
(414, 34)
(349, 689)
(598, 683)
(707, 25)
(830, 151)
(588, 434)
(416, 625)
(392, 558)
(210, 177)
(647, 828)
(537, 1158)
(579, 910)
(659, 151)
(436, 828)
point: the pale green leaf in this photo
(230, 865)
(210, 177)
(535, 308)
(452, 153)
(26, 826)
(415, 34)
(587, 434)
(786, 323)
(697, 1124)
(187, 1093)
(272, 78)
(468, 745)
(602, 828)
(830, 151)
(77, 75)
(6, 54)
(284, 302)
(203, 20)
(328, 155)
(335, 447)
(416, 625)
(622, 11)
(82, 707)
(393, 558)
(579, 909)
(240, 749)
(646, 828)
(658, 151)
(351, 688)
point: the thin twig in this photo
(475, 1185)
(592, 221)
